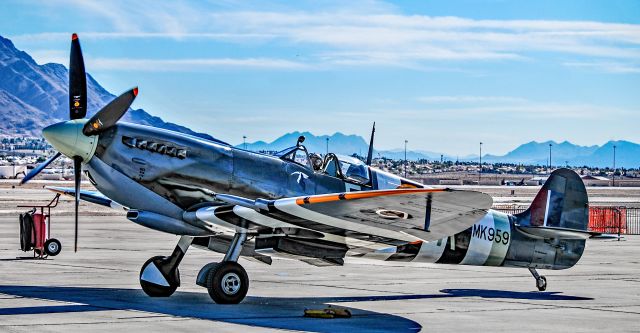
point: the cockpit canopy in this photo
(340, 166)
(296, 154)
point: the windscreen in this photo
(354, 168)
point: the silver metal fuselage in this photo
(168, 173)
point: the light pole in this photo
(614, 166)
(327, 145)
(405, 158)
(244, 141)
(13, 161)
(480, 166)
(550, 145)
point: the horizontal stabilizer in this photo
(555, 233)
(597, 235)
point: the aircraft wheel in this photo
(541, 283)
(227, 283)
(52, 247)
(155, 283)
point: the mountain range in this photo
(33, 96)
(627, 153)
(338, 143)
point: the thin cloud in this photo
(392, 31)
(64, 36)
(353, 36)
(138, 16)
(170, 65)
(469, 99)
(607, 67)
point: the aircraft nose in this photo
(67, 138)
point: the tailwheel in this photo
(158, 278)
(541, 283)
(227, 282)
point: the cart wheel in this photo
(52, 247)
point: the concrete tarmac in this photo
(96, 289)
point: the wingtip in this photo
(74, 36)
(135, 91)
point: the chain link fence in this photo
(609, 220)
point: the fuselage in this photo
(166, 172)
(187, 170)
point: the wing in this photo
(391, 217)
(89, 196)
(427, 214)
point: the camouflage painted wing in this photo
(427, 214)
(387, 216)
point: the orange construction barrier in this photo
(608, 220)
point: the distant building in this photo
(591, 180)
(537, 180)
(12, 171)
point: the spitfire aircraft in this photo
(294, 204)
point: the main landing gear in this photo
(227, 282)
(541, 281)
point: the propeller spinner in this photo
(77, 138)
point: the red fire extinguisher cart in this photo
(35, 230)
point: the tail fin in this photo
(559, 210)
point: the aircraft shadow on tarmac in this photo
(268, 312)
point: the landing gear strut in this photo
(541, 281)
(227, 281)
(159, 276)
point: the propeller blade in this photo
(110, 114)
(77, 81)
(39, 168)
(77, 174)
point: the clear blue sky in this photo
(444, 75)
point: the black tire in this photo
(23, 242)
(26, 231)
(155, 290)
(52, 247)
(541, 283)
(227, 283)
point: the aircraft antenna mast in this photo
(370, 154)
